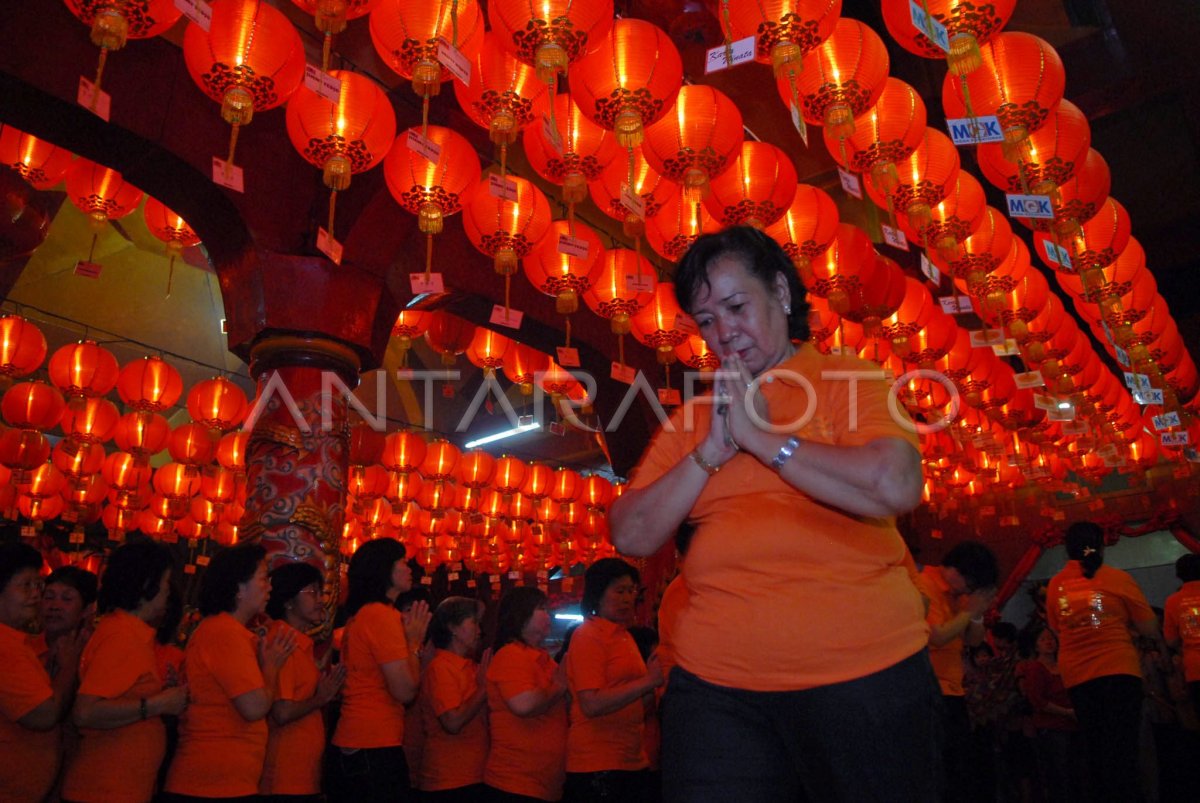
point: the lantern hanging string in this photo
(728, 40)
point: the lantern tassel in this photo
(454, 22)
(728, 40)
(99, 75)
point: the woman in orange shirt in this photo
(453, 703)
(231, 682)
(1091, 607)
(379, 649)
(121, 699)
(31, 706)
(1181, 623)
(611, 690)
(526, 706)
(296, 729)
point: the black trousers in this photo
(369, 775)
(609, 786)
(961, 756)
(1109, 710)
(876, 738)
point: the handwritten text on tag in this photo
(453, 60)
(227, 175)
(426, 283)
(426, 148)
(572, 246)
(632, 201)
(322, 83)
(716, 59)
(197, 11)
(502, 187)
(506, 316)
(850, 183)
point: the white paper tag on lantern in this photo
(1006, 349)
(202, 560)
(328, 246)
(1029, 379)
(572, 246)
(1036, 207)
(894, 237)
(974, 130)
(986, 338)
(91, 270)
(514, 575)
(76, 537)
(850, 183)
(506, 316)
(227, 175)
(669, 397)
(1075, 428)
(632, 201)
(1152, 396)
(685, 324)
(452, 576)
(930, 270)
(639, 283)
(934, 31)
(470, 583)
(623, 373)
(424, 147)
(1061, 414)
(716, 59)
(426, 580)
(567, 357)
(1166, 421)
(322, 83)
(197, 11)
(550, 132)
(801, 126)
(1044, 402)
(1143, 382)
(1121, 355)
(1130, 380)
(97, 101)
(454, 61)
(955, 305)
(425, 284)
(503, 188)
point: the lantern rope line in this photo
(332, 206)
(99, 75)
(727, 26)
(326, 51)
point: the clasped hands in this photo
(739, 406)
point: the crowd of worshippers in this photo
(99, 703)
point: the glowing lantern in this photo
(557, 268)
(1101, 238)
(100, 193)
(113, 22)
(192, 445)
(630, 80)
(784, 30)
(566, 487)
(923, 180)
(43, 487)
(551, 34)
(696, 141)
(953, 220)
(77, 460)
(330, 18)
(839, 273)
(522, 363)
(695, 354)
(579, 154)
(677, 225)
(1022, 304)
(509, 475)
(1020, 81)
(32, 405)
(231, 451)
(83, 370)
(349, 135)
(487, 350)
(250, 59)
(142, 434)
(1078, 199)
(647, 185)
(93, 421)
(968, 25)
(934, 341)
(449, 335)
(624, 284)
(501, 95)
(475, 469)
(756, 190)
(1045, 160)
(150, 384)
(405, 34)
(177, 482)
(657, 325)
(125, 477)
(841, 79)
(807, 226)
(886, 133)
(915, 311)
(505, 229)
(881, 296)
(169, 227)
(22, 347)
(539, 480)
(441, 459)
(218, 404)
(41, 164)
(980, 253)
(403, 451)
(21, 451)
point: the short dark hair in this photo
(15, 557)
(599, 576)
(407, 599)
(516, 609)
(762, 257)
(975, 562)
(1187, 568)
(132, 576)
(81, 580)
(287, 581)
(451, 612)
(227, 570)
(1085, 543)
(1004, 630)
(370, 574)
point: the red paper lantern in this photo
(1020, 81)
(923, 179)
(579, 154)
(886, 133)
(40, 163)
(475, 469)
(648, 186)
(112, 23)
(191, 445)
(840, 273)
(405, 34)
(695, 354)
(83, 370)
(32, 405)
(150, 384)
(629, 81)
(551, 34)
(1078, 199)
(172, 229)
(1045, 160)
(93, 421)
(218, 404)
(756, 189)
(78, 460)
(22, 347)
(840, 79)
(522, 363)
(448, 335)
(1101, 238)
(968, 25)
(677, 225)
(504, 229)
(657, 325)
(784, 30)
(501, 94)
(441, 459)
(980, 253)
(509, 475)
(807, 226)
(100, 192)
(487, 350)
(231, 451)
(623, 285)
(403, 451)
(916, 309)
(561, 271)
(881, 297)
(697, 140)
(954, 219)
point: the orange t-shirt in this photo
(371, 717)
(773, 575)
(219, 754)
(450, 760)
(28, 758)
(528, 754)
(118, 764)
(947, 659)
(1181, 622)
(293, 763)
(1091, 618)
(603, 654)
(670, 607)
